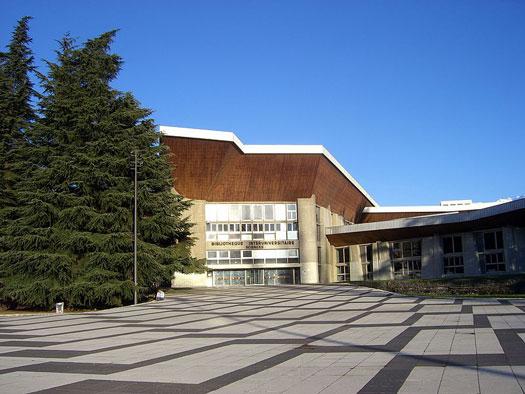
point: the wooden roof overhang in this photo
(222, 171)
(511, 213)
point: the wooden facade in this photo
(217, 171)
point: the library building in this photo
(286, 214)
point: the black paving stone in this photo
(481, 321)
(391, 377)
(80, 368)
(28, 343)
(39, 353)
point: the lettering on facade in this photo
(253, 244)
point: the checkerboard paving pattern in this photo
(282, 339)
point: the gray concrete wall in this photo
(327, 251)
(307, 239)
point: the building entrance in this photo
(253, 277)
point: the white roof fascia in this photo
(420, 221)
(431, 208)
(261, 149)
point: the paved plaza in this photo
(286, 339)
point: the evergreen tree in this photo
(73, 242)
(16, 115)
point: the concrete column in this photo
(431, 257)
(518, 248)
(327, 261)
(384, 268)
(197, 215)
(511, 239)
(470, 255)
(307, 239)
(336, 220)
(355, 265)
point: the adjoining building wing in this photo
(441, 241)
(495, 216)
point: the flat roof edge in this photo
(431, 208)
(420, 221)
(228, 136)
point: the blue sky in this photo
(421, 101)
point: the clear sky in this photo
(421, 101)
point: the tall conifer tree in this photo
(16, 115)
(77, 244)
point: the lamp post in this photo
(135, 227)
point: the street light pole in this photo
(135, 229)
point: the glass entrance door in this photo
(255, 277)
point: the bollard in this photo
(59, 308)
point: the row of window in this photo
(406, 256)
(264, 256)
(250, 212)
(251, 231)
(489, 246)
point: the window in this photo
(366, 257)
(406, 259)
(258, 231)
(257, 212)
(491, 252)
(453, 255)
(246, 212)
(343, 264)
(342, 273)
(292, 230)
(291, 211)
(343, 255)
(406, 269)
(268, 212)
(235, 213)
(406, 249)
